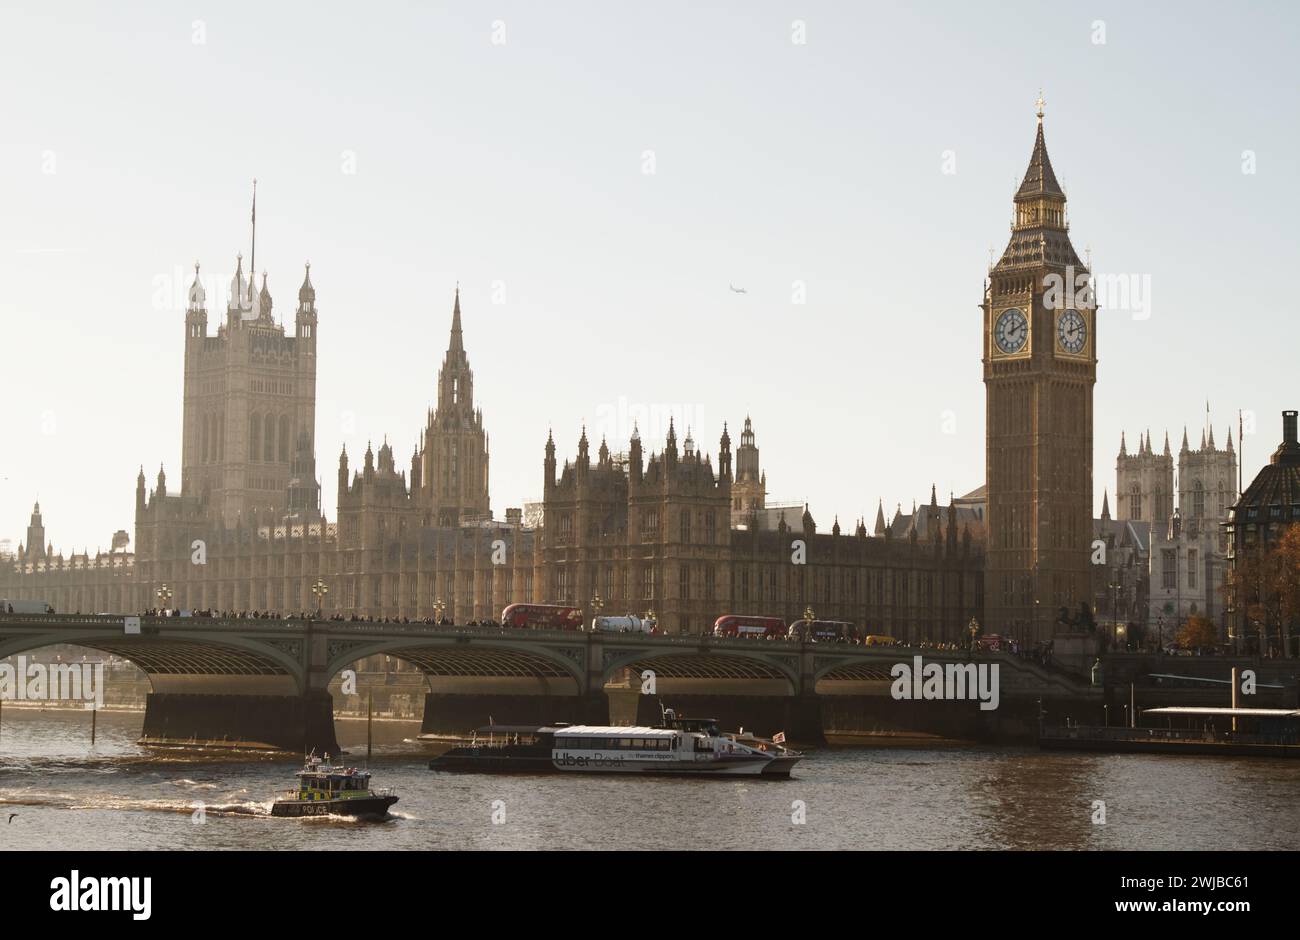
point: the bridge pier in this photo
(298, 723)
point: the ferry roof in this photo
(1225, 712)
(1168, 675)
(602, 731)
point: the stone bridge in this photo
(264, 682)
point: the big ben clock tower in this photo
(1040, 364)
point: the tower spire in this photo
(457, 340)
(1039, 179)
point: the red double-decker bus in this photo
(763, 628)
(542, 617)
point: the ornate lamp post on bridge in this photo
(164, 598)
(438, 609)
(319, 590)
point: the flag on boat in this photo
(778, 738)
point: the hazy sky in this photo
(404, 147)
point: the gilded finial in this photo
(1040, 102)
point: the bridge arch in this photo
(710, 663)
(857, 669)
(184, 663)
(458, 657)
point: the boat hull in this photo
(523, 760)
(364, 806)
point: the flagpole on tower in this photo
(252, 265)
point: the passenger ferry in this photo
(683, 746)
(327, 790)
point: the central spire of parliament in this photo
(454, 460)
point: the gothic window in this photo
(1198, 499)
(1169, 572)
(268, 439)
(686, 525)
(284, 439)
(684, 583)
(1135, 502)
(1191, 568)
(254, 436)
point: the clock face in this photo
(1011, 331)
(1072, 331)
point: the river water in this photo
(117, 795)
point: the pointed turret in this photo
(306, 293)
(264, 301)
(1167, 453)
(1123, 445)
(1105, 504)
(238, 286)
(880, 518)
(198, 296)
(1185, 449)
(634, 458)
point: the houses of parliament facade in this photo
(665, 529)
